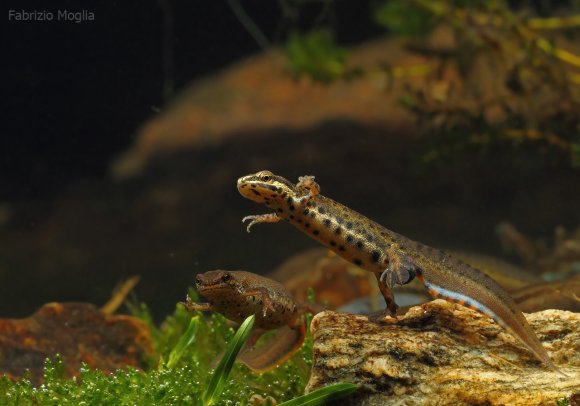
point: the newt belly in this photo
(391, 257)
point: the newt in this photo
(391, 257)
(239, 294)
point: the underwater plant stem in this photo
(184, 342)
(323, 395)
(554, 23)
(550, 138)
(249, 24)
(559, 53)
(119, 295)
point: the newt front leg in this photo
(191, 306)
(260, 218)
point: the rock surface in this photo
(443, 353)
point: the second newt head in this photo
(210, 284)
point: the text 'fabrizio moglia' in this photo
(57, 15)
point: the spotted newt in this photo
(393, 258)
(239, 294)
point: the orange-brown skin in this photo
(393, 258)
(239, 294)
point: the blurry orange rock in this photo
(259, 94)
(79, 332)
(334, 281)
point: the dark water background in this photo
(75, 95)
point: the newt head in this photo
(265, 187)
(214, 283)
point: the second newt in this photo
(239, 294)
(391, 257)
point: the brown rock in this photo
(441, 353)
(334, 281)
(79, 332)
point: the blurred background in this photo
(454, 123)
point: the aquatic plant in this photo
(503, 83)
(316, 54)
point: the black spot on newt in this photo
(375, 256)
(337, 231)
(358, 262)
(326, 222)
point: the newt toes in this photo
(239, 294)
(393, 258)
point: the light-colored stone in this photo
(441, 353)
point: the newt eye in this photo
(265, 177)
(198, 281)
(226, 277)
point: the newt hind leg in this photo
(401, 270)
(391, 309)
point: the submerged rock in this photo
(443, 353)
(79, 333)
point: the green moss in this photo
(182, 384)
